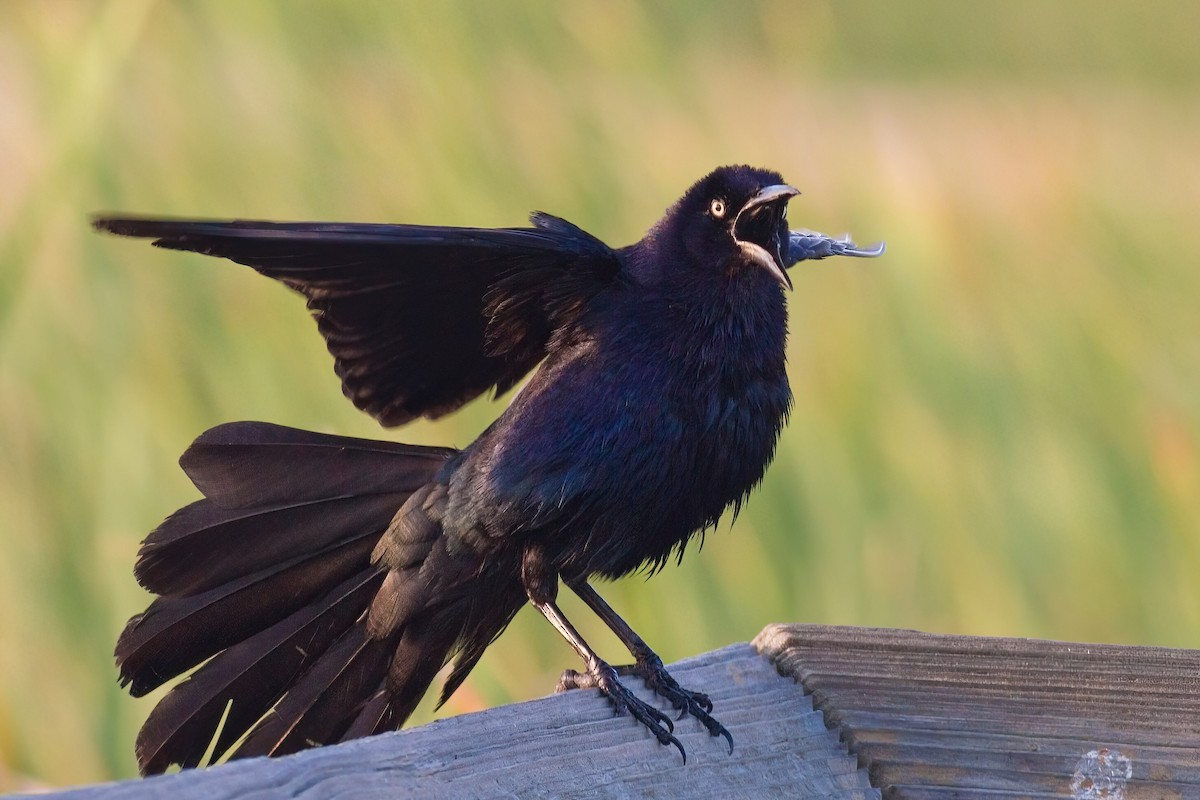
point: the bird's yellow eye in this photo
(717, 208)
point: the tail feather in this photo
(485, 622)
(203, 546)
(288, 514)
(317, 580)
(248, 678)
(339, 697)
(322, 704)
(256, 464)
(376, 716)
(177, 633)
(424, 648)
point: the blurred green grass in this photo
(997, 427)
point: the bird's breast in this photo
(705, 393)
(639, 433)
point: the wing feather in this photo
(419, 319)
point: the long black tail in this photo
(266, 582)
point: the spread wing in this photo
(419, 319)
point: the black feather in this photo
(405, 309)
(248, 677)
(256, 464)
(320, 706)
(203, 546)
(376, 717)
(177, 633)
(303, 511)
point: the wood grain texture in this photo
(565, 745)
(935, 716)
(925, 717)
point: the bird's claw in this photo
(651, 670)
(604, 678)
(688, 703)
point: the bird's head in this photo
(736, 217)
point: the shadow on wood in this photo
(898, 714)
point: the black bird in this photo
(323, 581)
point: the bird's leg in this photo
(542, 588)
(647, 665)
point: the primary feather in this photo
(419, 319)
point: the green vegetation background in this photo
(997, 427)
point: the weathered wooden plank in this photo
(561, 746)
(925, 716)
(933, 716)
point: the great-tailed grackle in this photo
(323, 581)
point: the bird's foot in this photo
(605, 678)
(687, 702)
(651, 670)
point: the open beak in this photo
(760, 231)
